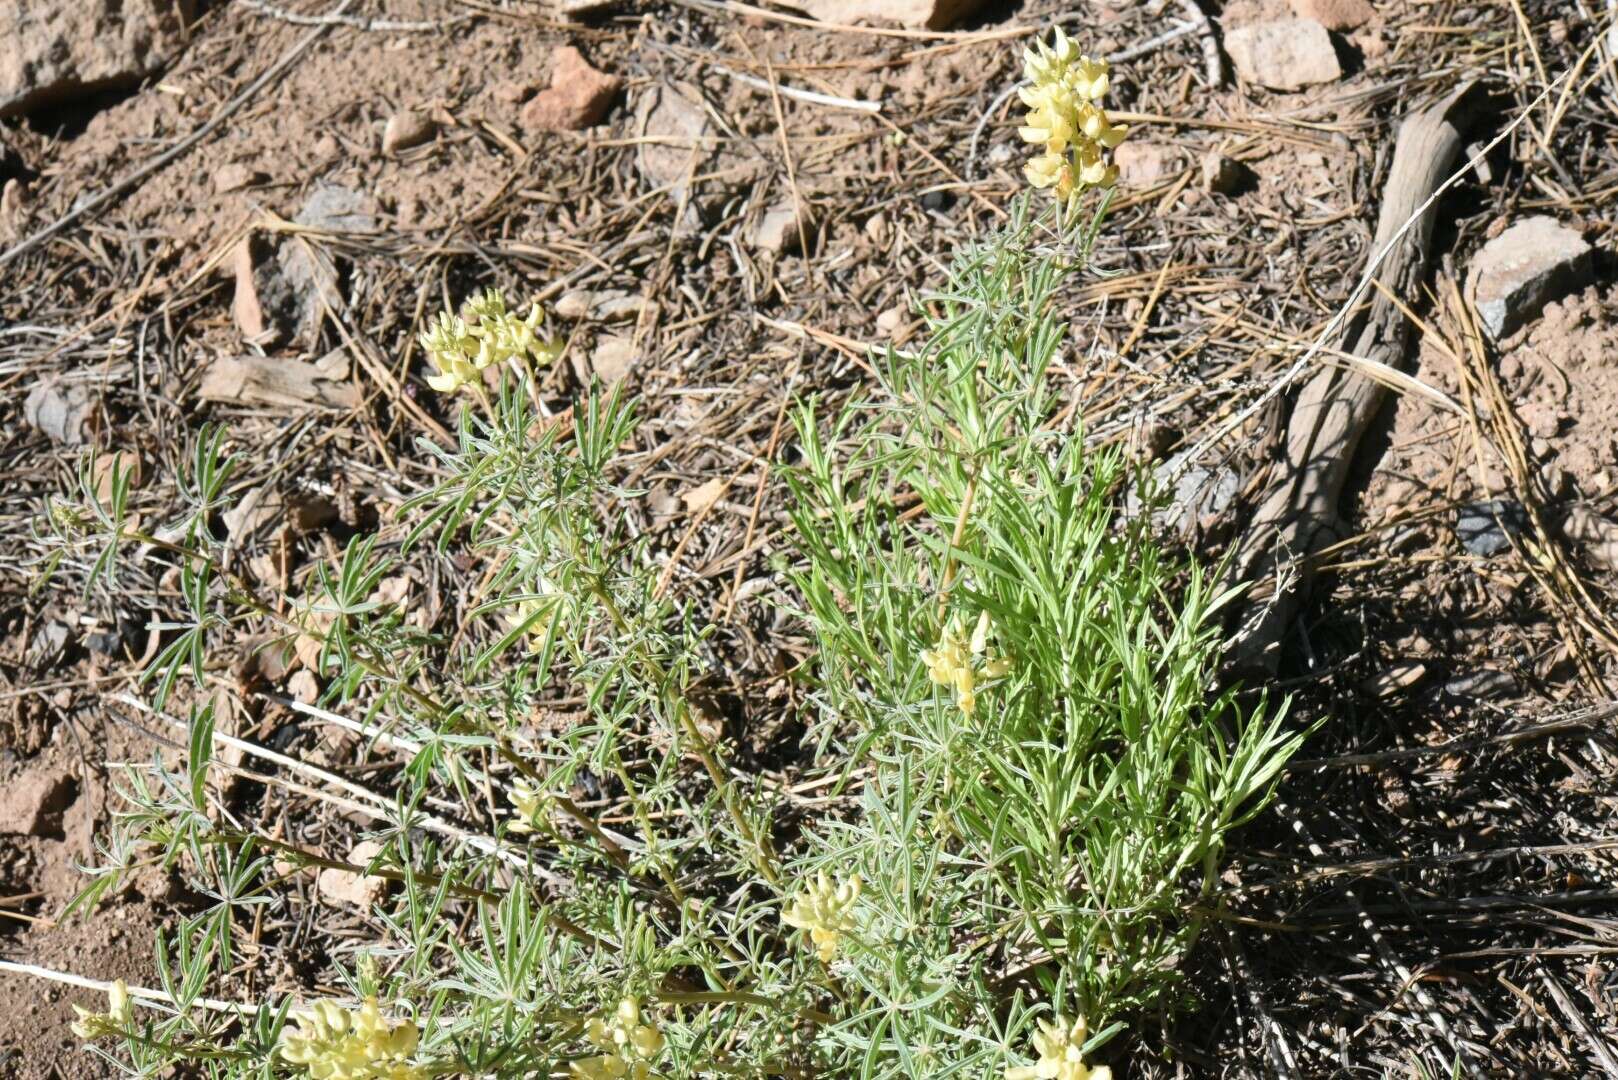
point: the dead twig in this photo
(1336, 407)
(1213, 63)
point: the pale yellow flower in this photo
(1065, 119)
(529, 802)
(959, 662)
(452, 351)
(490, 304)
(334, 1043)
(484, 333)
(826, 910)
(630, 1044)
(534, 612)
(120, 1015)
(1058, 1045)
(1045, 170)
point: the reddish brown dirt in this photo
(1559, 376)
(111, 943)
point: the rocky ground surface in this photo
(241, 213)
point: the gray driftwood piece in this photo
(1300, 512)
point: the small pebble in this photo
(1221, 175)
(1482, 526)
(407, 128)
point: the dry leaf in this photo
(700, 499)
(128, 462)
(245, 306)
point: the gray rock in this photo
(1286, 54)
(778, 230)
(234, 176)
(122, 640)
(1517, 273)
(1481, 684)
(1597, 535)
(606, 305)
(678, 143)
(1144, 164)
(612, 358)
(1483, 526)
(334, 208)
(347, 887)
(66, 413)
(574, 304)
(49, 645)
(55, 51)
(1203, 493)
(304, 280)
(1197, 494)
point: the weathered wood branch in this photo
(1300, 513)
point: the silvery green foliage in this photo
(1040, 852)
(1048, 845)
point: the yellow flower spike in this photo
(1090, 78)
(483, 334)
(447, 344)
(1064, 48)
(1045, 170)
(966, 698)
(980, 633)
(547, 352)
(485, 307)
(630, 1044)
(90, 1025)
(1094, 169)
(529, 802)
(532, 613)
(1065, 118)
(826, 910)
(334, 1043)
(958, 661)
(1098, 129)
(119, 1017)
(1059, 1046)
(118, 1006)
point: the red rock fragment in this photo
(578, 97)
(32, 804)
(1336, 15)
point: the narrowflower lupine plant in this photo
(1029, 775)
